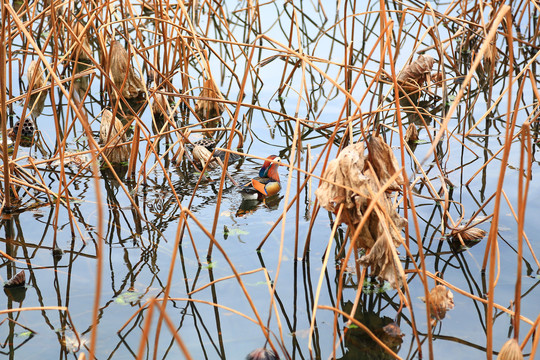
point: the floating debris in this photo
(467, 233)
(73, 159)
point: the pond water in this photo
(143, 217)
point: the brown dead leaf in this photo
(73, 159)
(510, 351)
(384, 162)
(382, 230)
(467, 233)
(160, 109)
(82, 47)
(384, 262)
(207, 109)
(345, 171)
(414, 75)
(203, 155)
(36, 80)
(491, 55)
(112, 134)
(18, 280)
(411, 135)
(120, 65)
(441, 300)
(437, 77)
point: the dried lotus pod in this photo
(207, 109)
(112, 135)
(510, 351)
(17, 280)
(120, 66)
(27, 129)
(27, 132)
(411, 135)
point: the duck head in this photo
(269, 168)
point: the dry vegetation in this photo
(133, 84)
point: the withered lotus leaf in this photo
(203, 155)
(350, 182)
(120, 65)
(111, 132)
(82, 47)
(441, 300)
(160, 109)
(343, 172)
(384, 261)
(415, 74)
(36, 80)
(510, 351)
(17, 280)
(384, 162)
(411, 135)
(467, 233)
(209, 109)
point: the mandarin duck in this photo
(266, 184)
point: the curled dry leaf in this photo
(384, 261)
(160, 109)
(467, 233)
(345, 171)
(510, 351)
(111, 132)
(437, 77)
(262, 354)
(411, 135)
(209, 109)
(120, 66)
(18, 280)
(73, 159)
(201, 154)
(81, 46)
(36, 80)
(348, 184)
(441, 300)
(384, 162)
(414, 75)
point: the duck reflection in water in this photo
(249, 206)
